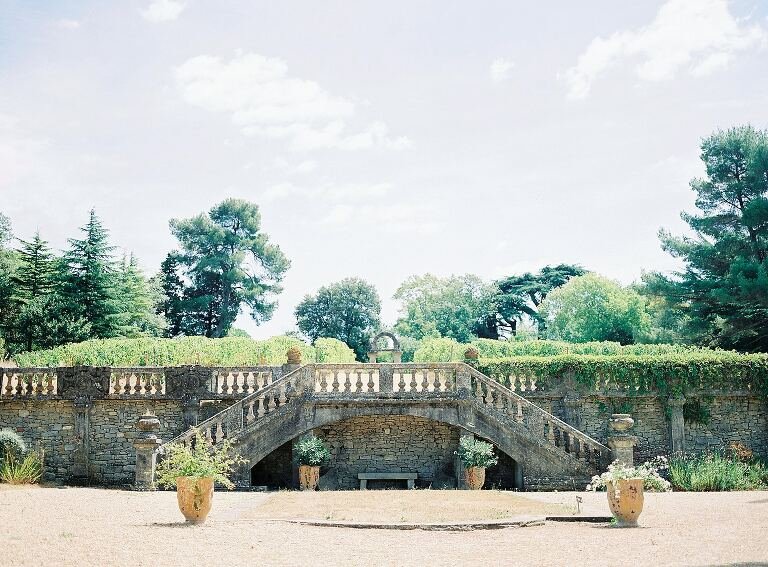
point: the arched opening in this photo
(384, 444)
(275, 471)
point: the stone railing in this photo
(236, 382)
(28, 383)
(408, 380)
(231, 421)
(502, 400)
(142, 382)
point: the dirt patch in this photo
(404, 506)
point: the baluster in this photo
(478, 391)
(18, 385)
(208, 436)
(50, 388)
(121, 384)
(489, 395)
(251, 416)
(323, 382)
(28, 384)
(576, 447)
(219, 432)
(550, 432)
(448, 380)
(519, 416)
(412, 385)
(347, 382)
(236, 377)
(283, 397)
(8, 379)
(359, 383)
(499, 401)
(371, 385)
(401, 382)
(136, 383)
(272, 402)
(261, 406)
(437, 377)
(425, 380)
(38, 384)
(225, 384)
(335, 383)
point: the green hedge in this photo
(449, 350)
(229, 351)
(666, 374)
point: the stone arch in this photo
(374, 350)
(534, 457)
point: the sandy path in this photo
(81, 526)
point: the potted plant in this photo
(476, 455)
(194, 470)
(310, 454)
(626, 485)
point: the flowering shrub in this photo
(476, 453)
(648, 471)
(199, 461)
(718, 471)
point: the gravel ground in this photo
(84, 526)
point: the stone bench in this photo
(407, 476)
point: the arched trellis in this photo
(374, 351)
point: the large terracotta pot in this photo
(309, 477)
(625, 497)
(195, 496)
(475, 477)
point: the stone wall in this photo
(390, 444)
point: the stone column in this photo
(676, 425)
(146, 444)
(622, 444)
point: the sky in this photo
(379, 139)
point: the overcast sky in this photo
(380, 139)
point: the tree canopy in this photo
(721, 293)
(454, 307)
(594, 308)
(348, 310)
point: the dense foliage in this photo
(716, 471)
(225, 262)
(721, 294)
(202, 460)
(311, 451)
(348, 310)
(11, 444)
(594, 308)
(476, 453)
(228, 351)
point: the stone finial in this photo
(294, 355)
(471, 355)
(622, 444)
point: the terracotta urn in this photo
(195, 495)
(475, 477)
(621, 422)
(309, 477)
(625, 497)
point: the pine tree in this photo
(90, 284)
(172, 287)
(136, 298)
(36, 273)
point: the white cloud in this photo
(328, 191)
(68, 24)
(163, 11)
(395, 218)
(701, 36)
(263, 100)
(500, 68)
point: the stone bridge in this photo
(435, 403)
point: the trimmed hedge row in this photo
(229, 351)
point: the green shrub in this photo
(439, 350)
(228, 351)
(312, 451)
(715, 472)
(476, 453)
(11, 445)
(198, 461)
(22, 470)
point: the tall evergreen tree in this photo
(722, 291)
(228, 263)
(7, 267)
(90, 282)
(136, 302)
(171, 306)
(36, 273)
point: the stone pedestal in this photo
(621, 442)
(146, 445)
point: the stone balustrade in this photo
(28, 383)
